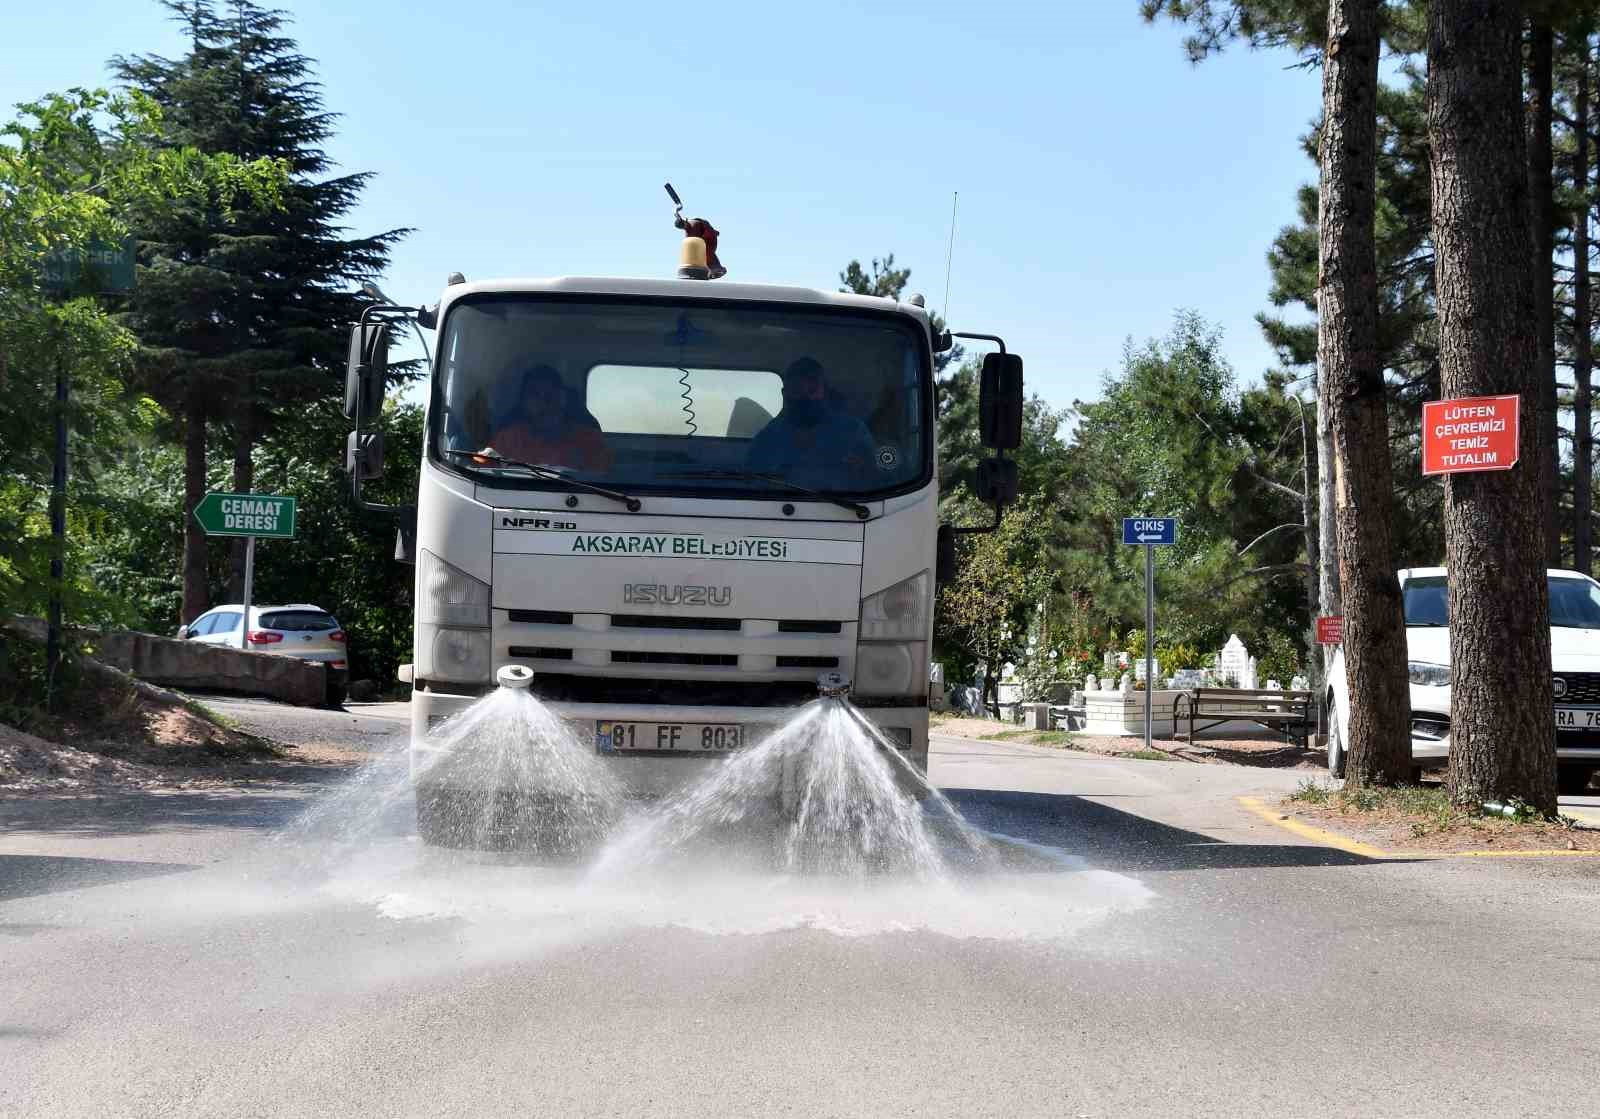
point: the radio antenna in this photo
(949, 257)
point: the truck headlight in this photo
(891, 656)
(897, 613)
(449, 596)
(1427, 674)
(890, 668)
(460, 655)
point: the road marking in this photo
(1278, 818)
(1306, 831)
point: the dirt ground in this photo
(121, 733)
(1265, 750)
(1393, 828)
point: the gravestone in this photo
(1235, 661)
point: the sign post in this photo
(99, 267)
(1149, 531)
(248, 515)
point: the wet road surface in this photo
(1147, 948)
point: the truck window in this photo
(655, 396)
(657, 400)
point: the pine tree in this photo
(1502, 717)
(240, 322)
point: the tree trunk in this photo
(1308, 516)
(196, 596)
(1582, 342)
(1329, 600)
(1502, 715)
(244, 481)
(1379, 728)
(1542, 212)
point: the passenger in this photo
(809, 442)
(545, 431)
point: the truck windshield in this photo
(656, 396)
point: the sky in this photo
(1104, 182)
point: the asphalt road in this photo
(1147, 948)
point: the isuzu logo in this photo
(1560, 687)
(655, 594)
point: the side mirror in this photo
(1000, 402)
(363, 454)
(944, 568)
(365, 369)
(997, 481)
(183, 633)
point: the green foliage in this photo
(1278, 657)
(986, 612)
(1171, 435)
(75, 168)
(24, 681)
(1180, 656)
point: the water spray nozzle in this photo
(833, 685)
(514, 676)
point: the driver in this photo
(544, 431)
(809, 442)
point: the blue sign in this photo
(1149, 530)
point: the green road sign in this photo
(246, 514)
(102, 266)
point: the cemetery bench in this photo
(1276, 709)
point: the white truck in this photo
(678, 503)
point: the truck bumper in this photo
(654, 775)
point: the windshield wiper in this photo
(776, 479)
(548, 472)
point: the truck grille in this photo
(540, 652)
(710, 693)
(809, 627)
(649, 621)
(631, 656)
(675, 647)
(1583, 688)
(542, 617)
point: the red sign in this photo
(1472, 433)
(1330, 629)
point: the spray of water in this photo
(505, 774)
(824, 794)
(824, 825)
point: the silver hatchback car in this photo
(301, 630)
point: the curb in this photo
(1280, 819)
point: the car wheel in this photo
(1335, 741)
(1573, 780)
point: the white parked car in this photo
(1575, 657)
(302, 630)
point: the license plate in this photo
(1578, 718)
(667, 738)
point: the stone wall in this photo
(190, 665)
